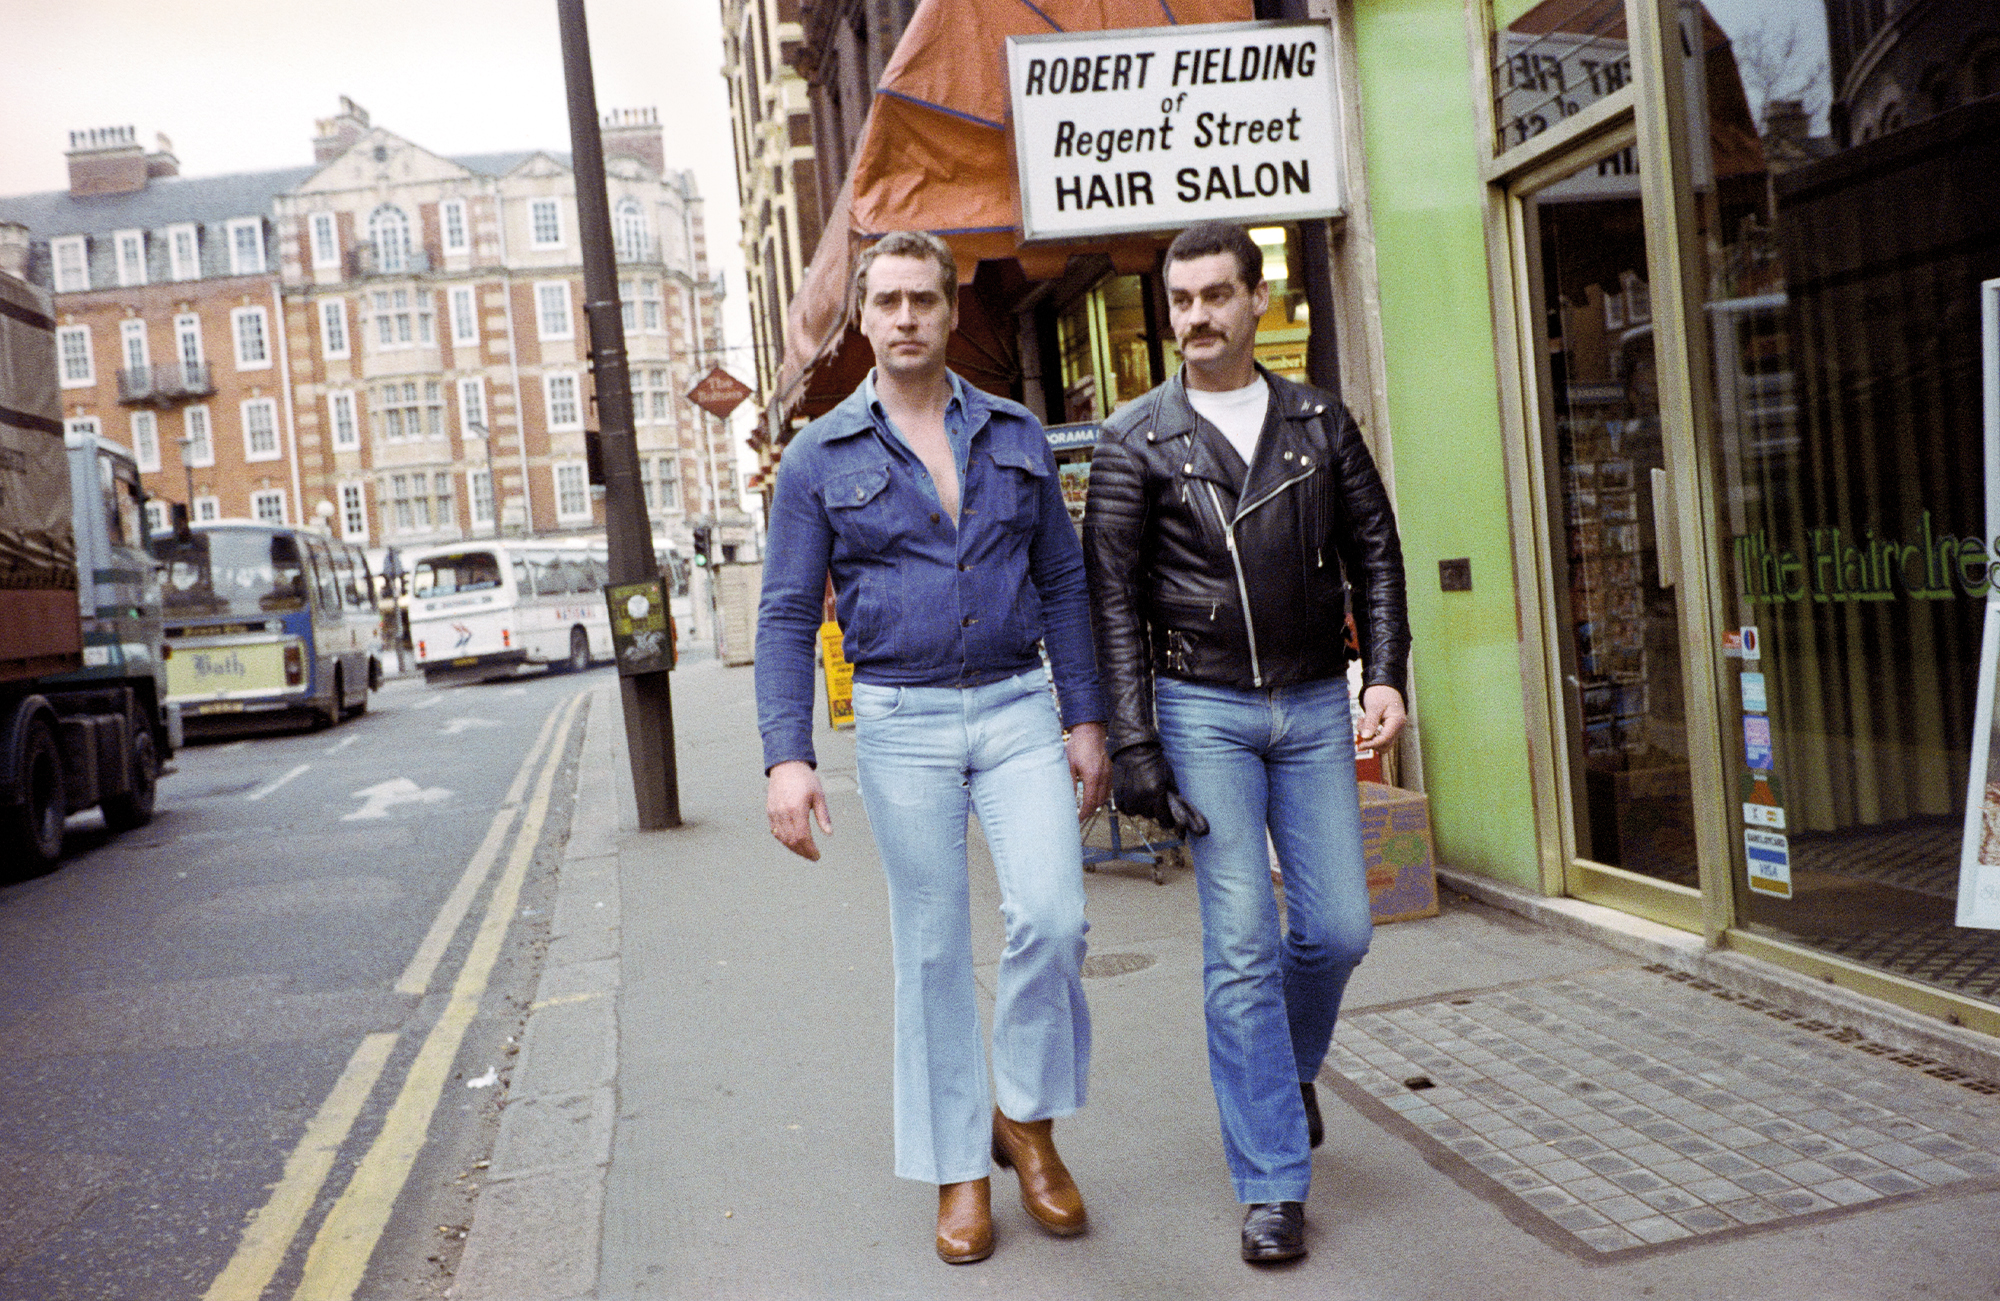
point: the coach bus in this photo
(481, 610)
(267, 623)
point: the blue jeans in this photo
(1282, 760)
(928, 756)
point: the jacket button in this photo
(1149, 435)
(1288, 456)
(934, 517)
(1188, 468)
(966, 622)
(1305, 460)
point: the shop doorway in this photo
(1615, 629)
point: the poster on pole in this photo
(1156, 128)
(1979, 859)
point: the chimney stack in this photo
(635, 133)
(105, 160)
(161, 162)
(338, 133)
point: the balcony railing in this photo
(161, 386)
(365, 261)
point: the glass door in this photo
(1610, 554)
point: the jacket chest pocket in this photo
(861, 510)
(1013, 496)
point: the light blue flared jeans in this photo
(929, 757)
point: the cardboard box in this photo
(1396, 846)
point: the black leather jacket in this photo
(1200, 576)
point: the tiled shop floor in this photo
(1624, 1111)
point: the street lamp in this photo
(186, 444)
(485, 437)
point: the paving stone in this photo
(1670, 1199)
(1608, 1238)
(1751, 1210)
(1658, 1228)
(1705, 1219)
(1846, 1192)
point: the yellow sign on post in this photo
(839, 677)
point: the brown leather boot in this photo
(1047, 1191)
(965, 1221)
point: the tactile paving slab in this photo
(1624, 1112)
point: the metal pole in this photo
(647, 697)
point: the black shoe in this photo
(1315, 1127)
(1274, 1231)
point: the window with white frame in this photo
(325, 237)
(260, 429)
(464, 315)
(268, 506)
(82, 426)
(661, 478)
(652, 308)
(183, 252)
(333, 328)
(552, 318)
(253, 344)
(207, 509)
(628, 307)
(340, 413)
(565, 412)
(132, 343)
(442, 509)
(71, 256)
(146, 440)
(353, 512)
(78, 369)
(629, 232)
(545, 223)
(403, 318)
(246, 246)
(572, 491)
(420, 500)
(156, 515)
(451, 215)
(187, 341)
(199, 449)
(131, 253)
(479, 490)
(404, 412)
(658, 395)
(472, 403)
(389, 231)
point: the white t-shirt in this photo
(1239, 414)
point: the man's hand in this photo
(793, 799)
(1089, 766)
(1382, 718)
(1142, 783)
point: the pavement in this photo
(1527, 1099)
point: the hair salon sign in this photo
(1160, 127)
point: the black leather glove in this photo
(1142, 783)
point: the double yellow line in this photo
(339, 1254)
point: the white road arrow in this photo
(386, 795)
(454, 726)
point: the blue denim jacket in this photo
(920, 602)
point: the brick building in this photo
(388, 343)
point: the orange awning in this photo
(934, 154)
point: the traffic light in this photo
(703, 539)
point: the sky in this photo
(238, 86)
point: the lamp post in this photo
(485, 437)
(187, 468)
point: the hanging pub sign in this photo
(1156, 128)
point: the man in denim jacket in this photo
(936, 510)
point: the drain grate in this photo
(1115, 964)
(1632, 1112)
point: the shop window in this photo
(1106, 349)
(1843, 351)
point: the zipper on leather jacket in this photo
(1242, 587)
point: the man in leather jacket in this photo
(1233, 518)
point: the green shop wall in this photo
(1425, 193)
